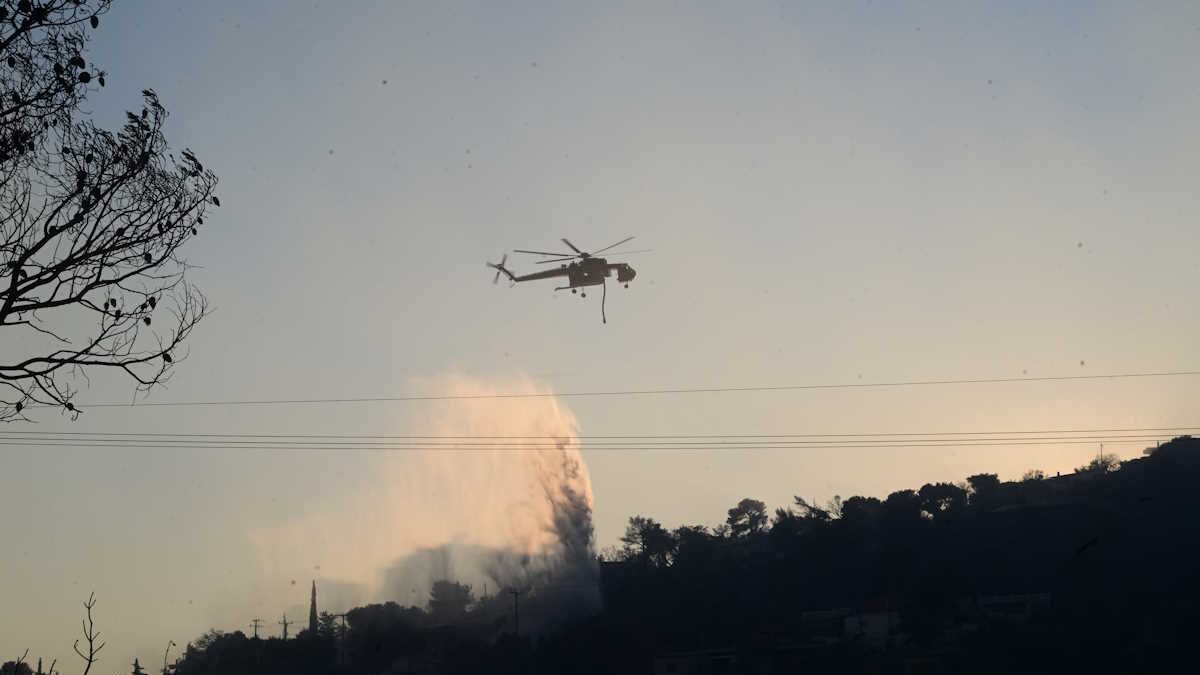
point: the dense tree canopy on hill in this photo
(1113, 546)
(1108, 556)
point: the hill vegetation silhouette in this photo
(1090, 571)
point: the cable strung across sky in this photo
(744, 442)
(642, 392)
(1174, 429)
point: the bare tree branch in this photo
(92, 223)
(91, 635)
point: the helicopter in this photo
(581, 269)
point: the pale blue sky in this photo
(886, 190)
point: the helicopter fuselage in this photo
(587, 272)
(594, 271)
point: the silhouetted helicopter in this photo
(582, 269)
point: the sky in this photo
(857, 192)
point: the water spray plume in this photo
(511, 518)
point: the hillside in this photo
(1093, 570)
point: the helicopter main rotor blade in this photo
(556, 255)
(572, 246)
(554, 260)
(612, 246)
(643, 250)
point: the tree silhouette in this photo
(748, 517)
(91, 636)
(786, 523)
(811, 511)
(207, 639)
(327, 625)
(985, 488)
(46, 77)
(942, 499)
(18, 667)
(645, 539)
(1112, 558)
(1103, 463)
(449, 599)
(858, 510)
(834, 507)
(633, 541)
(901, 511)
(92, 223)
(691, 536)
(90, 654)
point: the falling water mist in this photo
(508, 509)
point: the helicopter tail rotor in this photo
(500, 268)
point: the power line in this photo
(467, 445)
(634, 392)
(585, 437)
(709, 447)
(646, 442)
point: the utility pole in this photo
(341, 639)
(516, 614)
(285, 623)
(256, 624)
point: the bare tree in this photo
(92, 223)
(91, 635)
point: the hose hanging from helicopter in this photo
(603, 297)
